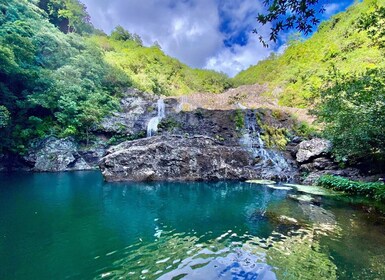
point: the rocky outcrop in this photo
(136, 108)
(314, 160)
(308, 150)
(176, 158)
(53, 154)
(217, 124)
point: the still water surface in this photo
(75, 226)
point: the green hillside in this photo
(346, 43)
(153, 71)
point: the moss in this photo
(219, 138)
(304, 129)
(199, 113)
(169, 124)
(239, 119)
(274, 137)
(117, 139)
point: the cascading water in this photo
(152, 127)
(272, 163)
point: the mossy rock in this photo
(274, 137)
(313, 190)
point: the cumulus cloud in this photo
(232, 60)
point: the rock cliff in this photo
(176, 158)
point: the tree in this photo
(68, 15)
(121, 34)
(352, 107)
(4, 116)
(374, 24)
(289, 14)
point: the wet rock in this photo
(176, 158)
(308, 150)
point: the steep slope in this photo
(151, 70)
(339, 43)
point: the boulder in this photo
(311, 149)
(176, 158)
(52, 154)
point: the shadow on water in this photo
(74, 225)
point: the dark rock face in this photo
(176, 158)
(218, 124)
(52, 155)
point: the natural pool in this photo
(75, 226)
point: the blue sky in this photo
(212, 34)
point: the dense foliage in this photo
(344, 42)
(353, 110)
(372, 190)
(153, 71)
(50, 82)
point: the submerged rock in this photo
(314, 190)
(261, 182)
(176, 158)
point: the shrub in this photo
(374, 190)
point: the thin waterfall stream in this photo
(273, 163)
(152, 127)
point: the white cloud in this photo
(235, 59)
(194, 31)
(332, 8)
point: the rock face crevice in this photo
(176, 158)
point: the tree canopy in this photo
(301, 15)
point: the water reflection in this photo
(73, 225)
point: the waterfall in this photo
(152, 127)
(272, 163)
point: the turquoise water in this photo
(75, 226)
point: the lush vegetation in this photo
(153, 71)
(59, 75)
(51, 83)
(373, 190)
(353, 109)
(344, 42)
